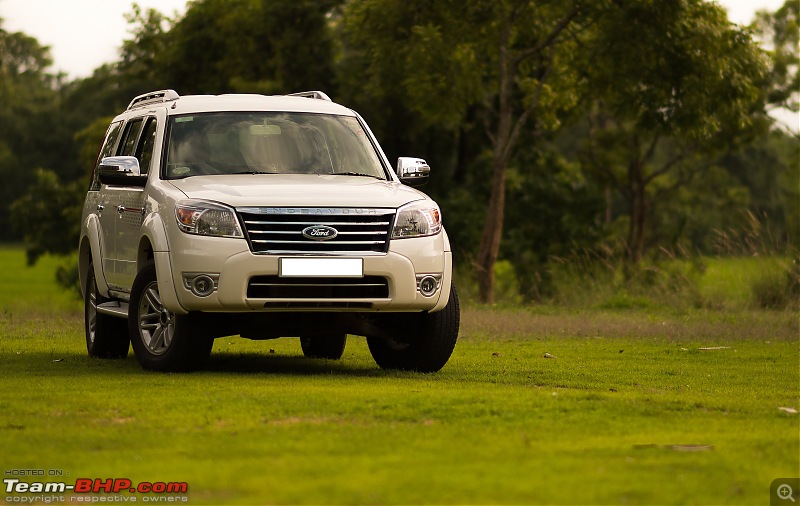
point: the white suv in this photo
(264, 217)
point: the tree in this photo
(690, 87)
(141, 67)
(48, 213)
(780, 32)
(506, 62)
(249, 46)
(552, 213)
(768, 168)
(28, 94)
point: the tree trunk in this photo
(493, 228)
(492, 231)
(638, 210)
(505, 138)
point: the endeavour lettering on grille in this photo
(319, 211)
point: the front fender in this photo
(154, 242)
(154, 229)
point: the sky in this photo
(82, 34)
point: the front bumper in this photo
(235, 265)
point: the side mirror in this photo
(413, 171)
(121, 171)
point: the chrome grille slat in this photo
(338, 252)
(307, 223)
(287, 232)
(270, 241)
(379, 232)
(280, 230)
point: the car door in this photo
(112, 200)
(131, 201)
(100, 196)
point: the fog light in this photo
(428, 285)
(201, 285)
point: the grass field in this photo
(630, 409)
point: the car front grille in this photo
(279, 230)
(276, 287)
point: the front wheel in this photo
(330, 347)
(162, 340)
(429, 345)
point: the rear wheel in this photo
(330, 347)
(428, 344)
(162, 340)
(106, 336)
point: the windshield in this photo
(269, 143)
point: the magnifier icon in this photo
(785, 492)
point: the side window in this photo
(128, 146)
(110, 142)
(145, 152)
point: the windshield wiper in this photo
(357, 174)
(253, 172)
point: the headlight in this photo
(206, 218)
(416, 220)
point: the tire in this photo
(431, 345)
(162, 340)
(106, 336)
(330, 347)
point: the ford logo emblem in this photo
(320, 233)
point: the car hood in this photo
(297, 190)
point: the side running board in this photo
(114, 308)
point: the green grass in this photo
(730, 281)
(28, 290)
(499, 424)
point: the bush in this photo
(777, 288)
(68, 277)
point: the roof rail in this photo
(319, 95)
(154, 97)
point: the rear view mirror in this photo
(265, 129)
(413, 171)
(121, 171)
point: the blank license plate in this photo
(322, 267)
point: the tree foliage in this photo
(29, 99)
(248, 46)
(781, 32)
(662, 109)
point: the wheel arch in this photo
(154, 247)
(153, 240)
(155, 232)
(84, 259)
(88, 250)
(144, 253)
